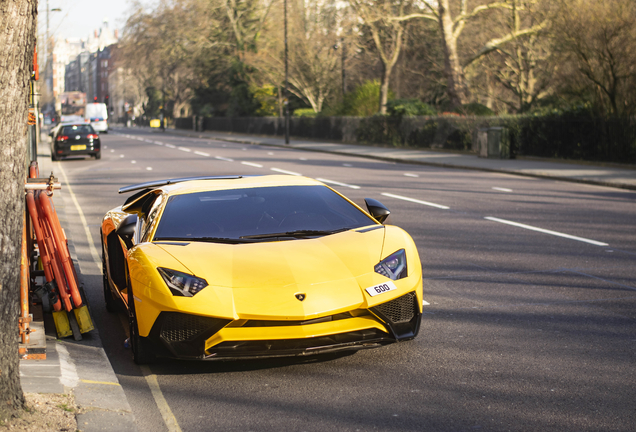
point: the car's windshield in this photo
(257, 213)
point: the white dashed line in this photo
(252, 164)
(112, 150)
(415, 201)
(410, 175)
(302, 159)
(171, 146)
(347, 165)
(223, 158)
(282, 171)
(148, 168)
(133, 161)
(149, 141)
(121, 156)
(270, 153)
(502, 189)
(200, 153)
(158, 143)
(554, 233)
(425, 303)
(185, 149)
(338, 183)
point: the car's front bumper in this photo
(181, 335)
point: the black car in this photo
(74, 139)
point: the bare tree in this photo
(17, 40)
(599, 39)
(313, 57)
(383, 18)
(451, 27)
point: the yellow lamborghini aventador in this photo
(219, 268)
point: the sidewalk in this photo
(78, 367)
(612, 175)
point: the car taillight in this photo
(92, 136)
(62, 138)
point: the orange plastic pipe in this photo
(24, 286)
(45, 254)
(53, 255)
(60, 244)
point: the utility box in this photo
(494, 142)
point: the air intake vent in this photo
(181, 327)
(400, 310)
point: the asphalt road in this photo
(526, 330)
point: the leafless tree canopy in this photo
(226, 57)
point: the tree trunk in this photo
(384, 87)
(17, 40)
(456, 89)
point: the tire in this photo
(141, 348)
(98, 155)
(54, 157)
(110, 302)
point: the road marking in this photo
(100, 382)
(69, 376)
(282, 171)
(425, 303)
(200, 153)
(252, 164)
(149, 141)
(133, 161)
(347, 165)
(410, 175)
(502, 189)
(158, 143)
(121, 156)
(112, 150)
(170, 146)
(185, 149)
(338, 183)
(168, 418)
(554, 233)
(302, 159)
(148, 168)
(223, 158)
(415, 201)
(89, 238)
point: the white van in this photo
(97, 115)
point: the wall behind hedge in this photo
(556, 136)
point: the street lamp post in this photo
(286, 83)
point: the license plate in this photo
(78, 147)
(381, 288)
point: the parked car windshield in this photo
(77, 129)
(258, 214)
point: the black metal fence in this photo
(589, 138)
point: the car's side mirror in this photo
(377, 209)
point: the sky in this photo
(79, 18)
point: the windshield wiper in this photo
(296, 234)
(205, 239)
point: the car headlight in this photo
(182, 284)
(393, 266)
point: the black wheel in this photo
(98, 155)
(54, 157)
(141, 348)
